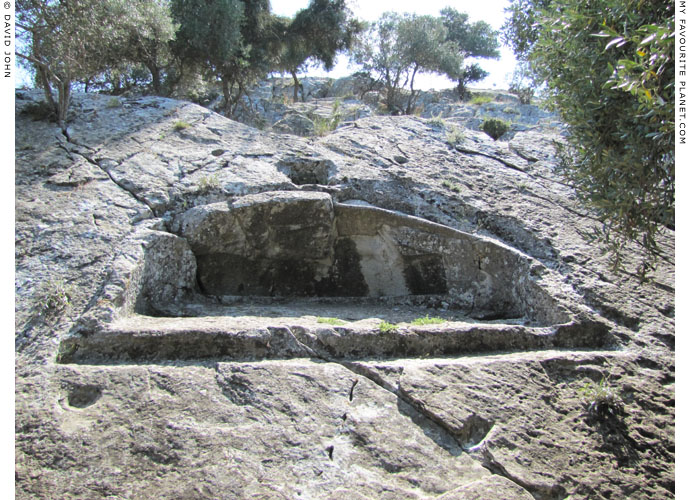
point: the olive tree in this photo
(608, 68)
(209, 37)
(316, 35)
(474, 40)
(398, 47)
(66, 42)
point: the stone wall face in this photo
(419, 317)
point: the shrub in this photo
(55, 297)
(437, 121)
(452, 186)
(601, 400)
(522, 84)
(607, 66)
(455, 136)
(481, 99)
(113, 102)
(495, 127)
(180, 125)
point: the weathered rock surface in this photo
(162, 377)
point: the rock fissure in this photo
(540, 491)
(491, 157)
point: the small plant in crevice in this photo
(437, 121)
(113, 102)
(54, 297)
(322, 126)
(495, 128)
(208, 183)
(455, 136)
(331, 321)
(601, 400)
(180, 125)
(456, 188)
(428, 321)
(385, 327)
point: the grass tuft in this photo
(385, 327)
(481, 99)
(180, 125)
(331, 321)
(428, 321)
(455, 136)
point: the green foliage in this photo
(331, 321)
(477, 40)
(608, 68)
(455, 136)
(315, 36)
(495, 127)
(113, 102)
(54, 297)
(437, 121)
(601, 400)
(398, 47)
(323, 126)
(180, 125)
(385, 327)
(427, 321)
(66, 42)
(522, 84)
(456, 188)
(209, 183)
(481, 99)
(209, 37)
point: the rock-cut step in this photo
(257, 278)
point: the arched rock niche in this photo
(302, 244)
(249, 279)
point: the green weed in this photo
(456, 188)
(428, 321)
(481, 99)
(113, 102)
(601, 400)
(455, 136)
(385, 327)
(208, 183)
(55, 297)
(437, 121)
(331, 321)
(180, 125)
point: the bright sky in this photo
(490, 11)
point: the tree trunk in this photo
(297, 86)
(155, 77)
(64, 97)
(47, 91)
(412, 99)
(226, 93)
